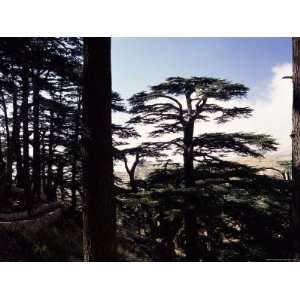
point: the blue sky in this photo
(140, 62)
(259, 63)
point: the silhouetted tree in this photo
(99, 204)
(180, 103)
(139, 154)
(175, 106)
(31, 73)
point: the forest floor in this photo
(61, 241)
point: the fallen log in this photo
(32, 224)
(34, 213)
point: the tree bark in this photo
(295, 207)
(99, 213)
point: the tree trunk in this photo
(99, 212)
(19, 161)
(73, 185)
(75, 156)
(191, 229)
(1, 157)
(4, 107)
(50, 194)
(190, 220)
(8, 167)
(132, 182)
(188, 162)
(43, 163)
(131, 172)
(15, 147)
(36, 164)
(12, 140)
(295, 207)
(26, 173)
(60, 176)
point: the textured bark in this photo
(99, 206)
(296, 149)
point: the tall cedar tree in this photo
(99, 213)
(174, 106)
(181, 103)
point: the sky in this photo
(140, 62)
(258, 63)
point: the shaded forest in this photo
(60, 199)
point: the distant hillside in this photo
(269, 161)
(141, 171)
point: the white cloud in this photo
(272, 112)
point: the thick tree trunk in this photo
(191, 230)
(188, 156)
(99, 213)
(296, 150)
(190, 220)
